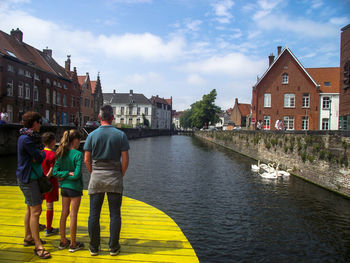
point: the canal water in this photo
(228, 213)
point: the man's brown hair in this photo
(29, 118)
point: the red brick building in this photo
(344, 106)
(240, 114)
(288, 92)
(87, 99)
(31, 79)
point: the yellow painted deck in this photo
(147, 235)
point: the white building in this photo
(161, 119)
(329, 111)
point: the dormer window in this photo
(285, 78)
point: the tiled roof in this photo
(93, 86)
(322, 75)
(81, 79)
(20, 51)
(107, 97)
(128, 98)
(244, 109)
(156, 99)
(169, 101)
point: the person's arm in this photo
(32, 149)
(125, 162)
(87, 161)
(49, 174)
(57, 170)
(78, 159)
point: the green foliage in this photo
(268, 145)
(303, 156)
(291, 147)
(316, 148)
(345, 145)
(145, 120)
(202, 113)
(322, 154)
(344, 161)
(300, 146)
(274, 142)
(126, 126)
(310, 158)
(285, 148)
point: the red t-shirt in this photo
(47, 164)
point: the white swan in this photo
(255, 168)
(268, 175)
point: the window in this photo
(10, 68)
(36, 93)
(327, 83)
(10, 88)
(64, 100)
(58, 98)
(9, 113)
(122, 120)
(54, 97)
(27, 74)
(72, 103)
(325, 124)
(20, 89)
(47, 96)
(21, 71)
(64, 86)
(289, 100)
(267, 100)
(59, 84)
(36, 77)
(288, 122)
(146, 111)
(267, 121)
(138, 110)
(285, 78)
(122, 110)
(326, 103)
(27, 91)
(54, 83)
(87, 103)
(306, 100)
(305, 123)
(130, 111)
(130, 120)
(47, 114)
(138, 121)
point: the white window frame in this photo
(28, 74)
(306, 100)
(36, 93)
(326, 103)
(267, 123)
(305, 123)
(54, 98)
(36, 77)
(267, 100)
(64, 100)
(285, 78)
(10, 68)
(20, 89)
(288, 123)
(27, 91)
(58, 98)
(325, 124)
(289, 100)
(9, 88)
(47, 95)
(146, 111)
(20, 72)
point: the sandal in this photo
(42, 253)
(27, 243)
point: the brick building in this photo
(287, 91)
(96, 90)
(31, 79)
(87, 99)
(344, 106)
(240, 114)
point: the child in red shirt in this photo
(49, 140)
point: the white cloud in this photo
(316, 4)
(193, 25)
(266, 7)
(145, 78)
(222, 11)
(339, 21)
(196, 80)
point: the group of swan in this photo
(269, 172)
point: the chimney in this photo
(114, 91)
(67, 64)
(48, 52)
(279, 48)
(17, 34)
(236, 101)
(271, 59)
(131, 92)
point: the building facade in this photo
(87, 99)
(96, 89)
(162, 113)
(288, 92)
(31, 79)
(240, 114)
(344, 107)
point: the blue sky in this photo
(180, 48)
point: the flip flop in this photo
(42, 253)
(27, 243)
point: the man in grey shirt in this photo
(106, 159)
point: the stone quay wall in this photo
(9, 134)
(320, 157)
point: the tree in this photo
(145, 121)
(185, 119)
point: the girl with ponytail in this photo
(68, 170)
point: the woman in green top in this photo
(68, 170)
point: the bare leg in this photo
(75, 203)
(27, 233)
(64, 215)
(35, 212)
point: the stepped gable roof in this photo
(156, 99)
(19, 51)
(169, 101)
(322, 75)
(244, 109)
(93, 86)
(129, 98)
(286, 49)
(81, 79)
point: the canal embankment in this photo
(9, 134)
(321, 157)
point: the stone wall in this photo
(9, 135)
(322, 158)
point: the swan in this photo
(255, 168)
(268, 175)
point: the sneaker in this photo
(93, 252)
(64, 245)
(77, 247)
(42, 227)
(52, 231)
(114, 251)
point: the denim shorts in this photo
(66, 192)
(31, 192)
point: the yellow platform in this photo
(147, 235)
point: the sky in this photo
(180, 48)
